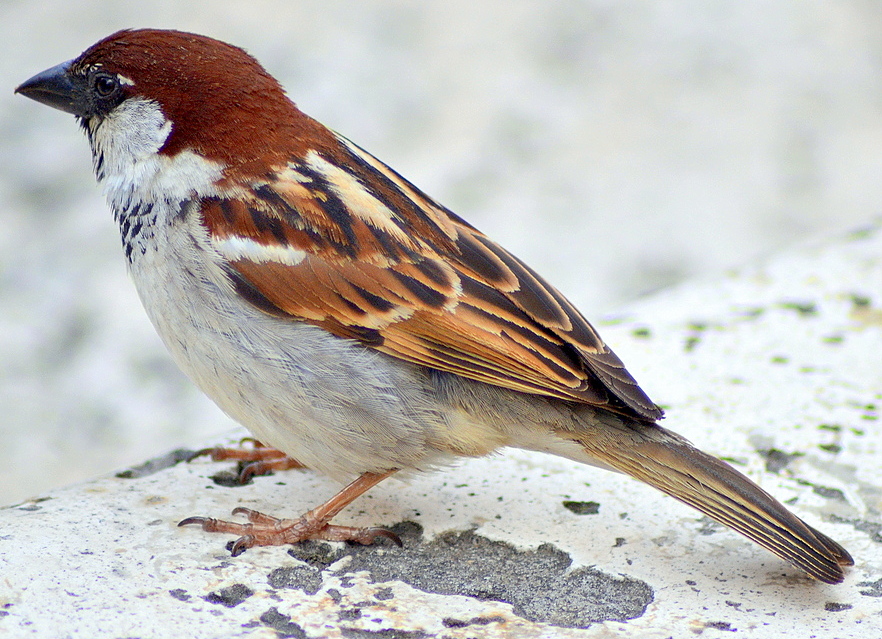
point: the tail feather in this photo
(728, 497)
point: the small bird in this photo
(345, 317)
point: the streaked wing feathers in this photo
(341, 241)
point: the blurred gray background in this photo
(618, 147)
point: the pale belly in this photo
(330, 403)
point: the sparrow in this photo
(348, 320)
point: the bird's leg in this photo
(259, 459)
(264, 530)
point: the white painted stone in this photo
(785, 356)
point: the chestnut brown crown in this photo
(221, 102)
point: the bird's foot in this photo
(264, 530)
(258, 459)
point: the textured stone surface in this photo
(775, 368)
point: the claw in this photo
(241, 545)
(257, 517)
(250, 470)
(194, 520)
(388, 534)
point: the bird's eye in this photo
(105, 84)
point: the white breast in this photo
(330, 403)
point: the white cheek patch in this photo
(241, 248)
(134, 130)
(125, 149)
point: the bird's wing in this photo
(339, 240)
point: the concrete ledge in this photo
(777, 368)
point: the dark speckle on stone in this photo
(334, 594)
(832, 606)
(383, 594)
(315, 553)
(156, 464)
(350, 614)
(282, 624)
(229, 479)
(449, 622)
(860, 300)
(691, 342)
(388, 633)
(346, 581)
(829, 493)
(872, 528)
(751, 312)
(31, 504)
(620, 541)
(873, 588)
(304, 578)
(862, 233)
(230, 596)
(721, 625)
(777, 460)
(582, 507)
(180, 594)
(803, 308)
(709, 526)
(539, 583)
(830, 448)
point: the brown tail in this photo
(722, 493)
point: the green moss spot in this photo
(831, 427)
(863, 233)
(751, 313)
(805, 309)
(830, 448)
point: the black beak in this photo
(54, 88)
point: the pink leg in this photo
(264, 530)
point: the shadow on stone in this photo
(537, 583)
